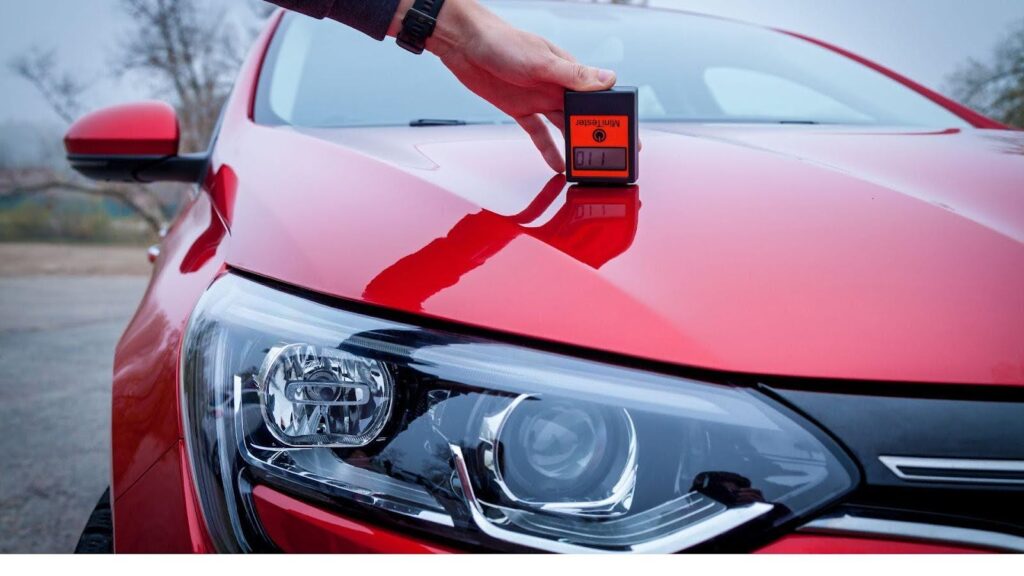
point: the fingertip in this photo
(606, 77)
(555, 160)
(543, 141)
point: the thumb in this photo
(576, 76)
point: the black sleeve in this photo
(372, 17)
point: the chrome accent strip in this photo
(953, 465)
(675, 542)
(859, 525)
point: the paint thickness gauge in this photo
(601, 136)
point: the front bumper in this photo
(297, 527)
(888, 513)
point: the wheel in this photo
(98, 536)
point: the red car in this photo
(380, 324)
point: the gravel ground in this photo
(19, 260)
(57, 338)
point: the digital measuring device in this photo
(601, 143)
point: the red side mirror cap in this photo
(142, 129)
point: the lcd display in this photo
(599, 158)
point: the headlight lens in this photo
(483, 442)
(323, 397)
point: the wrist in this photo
(457, 22)
(396, 20)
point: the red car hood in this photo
(799, 251)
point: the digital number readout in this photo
(599, 158)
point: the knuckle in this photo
(579, 72)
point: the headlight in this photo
(479, 441)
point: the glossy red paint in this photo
(593, 226)
(298, 527)
(814, 544)
(834, 261)
(149, 468)
(145, 393)
(141, 129)
(155, 515)
(798, 251)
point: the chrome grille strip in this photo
(863, 526)
(959, 471)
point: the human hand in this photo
(520, 73)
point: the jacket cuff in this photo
(371, 17)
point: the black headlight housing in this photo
(479, 441)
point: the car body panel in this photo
(816, 544)
(146, 430)
(300, 528)
(800, 252)
(158, 513)
(145, 393)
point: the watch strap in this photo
(418, 25)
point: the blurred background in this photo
(73, 254)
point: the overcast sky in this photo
(924, 39)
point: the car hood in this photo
(863, 254)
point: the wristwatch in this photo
(418, 25)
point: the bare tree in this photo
(25, 182)
(995, 89)
(63, 93)
(61, 90)
(188, 49)
(5, 156)
(192, 53)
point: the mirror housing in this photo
(132, 143)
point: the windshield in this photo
(688, 68)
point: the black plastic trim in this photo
(987, 427)
(187, 168)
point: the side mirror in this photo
(132, 143)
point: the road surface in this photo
(57, 338)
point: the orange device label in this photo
(600, 146)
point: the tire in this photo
(98, 536)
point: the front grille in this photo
(943, 455)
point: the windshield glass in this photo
(688, 68)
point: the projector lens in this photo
(563, 450)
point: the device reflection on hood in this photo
(593, 226)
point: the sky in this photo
(924, 39)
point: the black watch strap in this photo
(418, 25)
